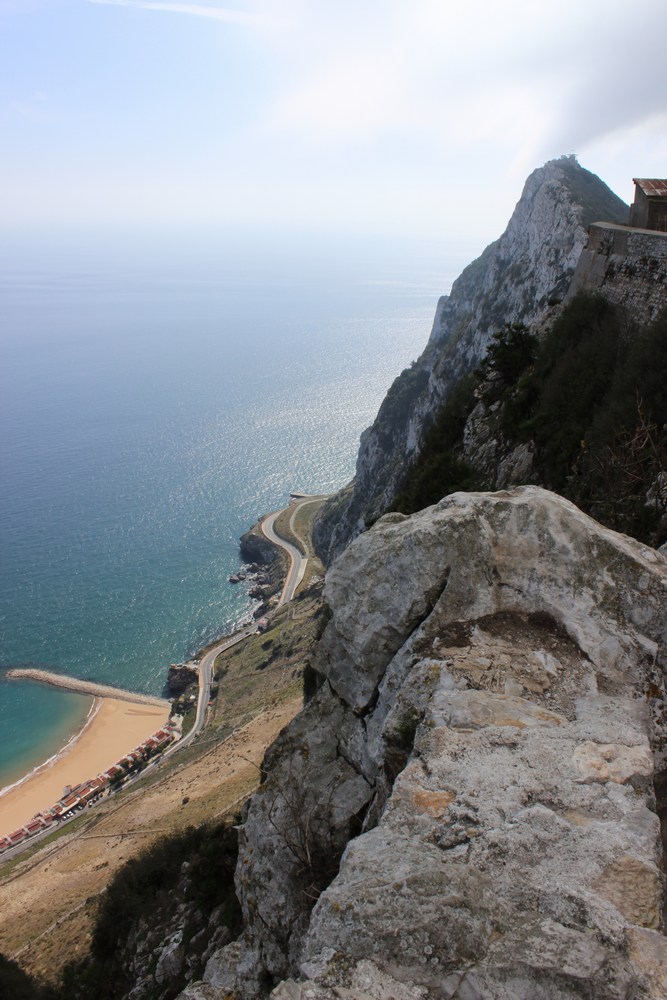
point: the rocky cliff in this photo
(469, 807)
(517, 278)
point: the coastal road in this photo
(298, 561)
(205, 679)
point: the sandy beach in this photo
(113, 729)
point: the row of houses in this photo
(89, 792)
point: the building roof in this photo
(70, 801)
(652, 187)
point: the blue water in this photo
(153, 403)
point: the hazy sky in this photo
(386, 116)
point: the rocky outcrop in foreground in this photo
(469, 806)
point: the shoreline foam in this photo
(113, 728)
(54, 758)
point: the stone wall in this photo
(627, 266)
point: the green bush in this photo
(512, 350)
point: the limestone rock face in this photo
(467, 808)
(517, 279)
(313, 799)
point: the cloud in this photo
(532, 80)
(226, 14)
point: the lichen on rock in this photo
(481, 757)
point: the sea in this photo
(157, 395)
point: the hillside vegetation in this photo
(590, 400)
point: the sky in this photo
(397, 118)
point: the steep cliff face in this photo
(581, 410)
(517, 278)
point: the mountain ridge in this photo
(520, 277)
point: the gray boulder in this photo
(488, 742)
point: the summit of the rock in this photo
(518, 278)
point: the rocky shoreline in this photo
(264, 568)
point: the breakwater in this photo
(82, 687)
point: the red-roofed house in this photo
(71, 802)
(649, 209)
(114, 773)
(79, 789)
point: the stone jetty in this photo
(81, 687)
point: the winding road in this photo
(295, 574)
(298, 563)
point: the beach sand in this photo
(113, 729)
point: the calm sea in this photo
(153, 403)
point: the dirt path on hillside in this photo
(48, 921)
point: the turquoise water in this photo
(152, 406)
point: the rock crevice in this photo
(467, 806)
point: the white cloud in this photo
(363, 112)
(532, 80)
(227, 14)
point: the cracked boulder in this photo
(488, 742)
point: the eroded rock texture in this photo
(467, 807)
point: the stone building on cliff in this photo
(649, 209)
(628, 264)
